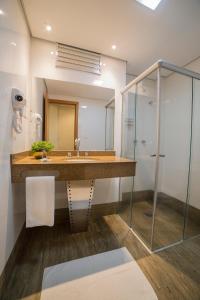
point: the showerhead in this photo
(150, 102)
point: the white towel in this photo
(40, 201)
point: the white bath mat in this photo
(112, 275)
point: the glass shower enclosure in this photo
(161, 131)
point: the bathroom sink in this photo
(66, 168)
(80, 159)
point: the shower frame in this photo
(160, 64)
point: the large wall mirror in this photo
(74, 110)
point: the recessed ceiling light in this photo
(48, 28)
(1, 12)
(52, 53)
(98, 82)
(84, 106)
(152, 4)
(13, 44)
(114, 47)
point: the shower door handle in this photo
(160, 155)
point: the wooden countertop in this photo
(84, 167)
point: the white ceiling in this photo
(63, 88)
(142, 36)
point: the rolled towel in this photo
(40, 201)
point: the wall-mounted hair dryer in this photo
(18, 104)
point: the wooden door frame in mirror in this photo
(63, 102)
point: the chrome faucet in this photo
(77, 145)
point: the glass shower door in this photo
(144, 153)
(174, 159)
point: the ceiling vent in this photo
(78, 59)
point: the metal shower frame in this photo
(160, 64)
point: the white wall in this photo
(91, 121)
(14, 72)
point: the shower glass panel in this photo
(144, 153)
(192, 223)
(174, 158)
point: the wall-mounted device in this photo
(18, 104)
(37, 118)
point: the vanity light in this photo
(152, 4)
(114, 47)
(13, 44)
(48, 28)
(98, 82)
(52, 53)
(84, 106)
(104, 65)
(2, 12)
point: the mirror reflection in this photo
(79, 116)
(109, 126)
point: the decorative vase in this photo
(40, 154)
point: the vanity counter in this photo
(73, 168)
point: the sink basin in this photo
(80, 159)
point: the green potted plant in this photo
(41, 148)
